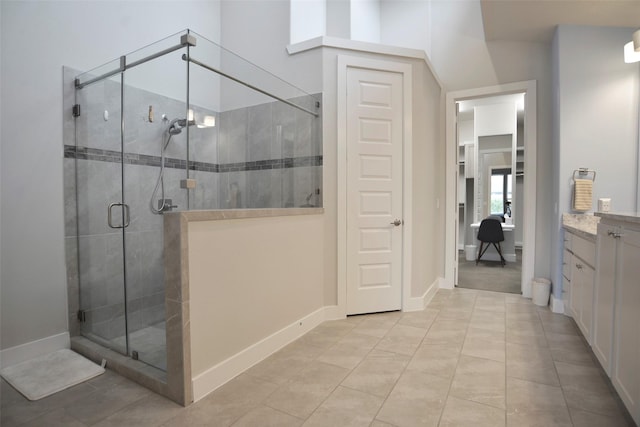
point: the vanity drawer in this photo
(584, 250)
(567, 240)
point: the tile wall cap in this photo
(224, 214)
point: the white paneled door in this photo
(374, 190)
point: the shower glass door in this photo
(100, 212)
(154, 95)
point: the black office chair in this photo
(490, 232)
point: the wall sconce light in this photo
(630, 55)
(632, 49)
(205, 122)
(208, 122)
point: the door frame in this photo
(344, 63)
(530, 146)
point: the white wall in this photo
(308, 19)
(596, 119)
(339, 19)
(365, 20)
(464, 60)
(497, 119)
(234, 305)
(51, 34)
(259, 32)
(406, 23)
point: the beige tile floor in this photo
(471, 358)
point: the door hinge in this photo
(76, 110)
(82, 316)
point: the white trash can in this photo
(470, 252)
(540, 290)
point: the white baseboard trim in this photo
(557, 305)
(437, 284)
(333, 312)
(445, 284)
(419, 303)
(216, 376)
(30, 350)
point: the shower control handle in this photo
(125, 210)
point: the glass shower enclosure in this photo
(181, 124)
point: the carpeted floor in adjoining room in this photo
(490, 275)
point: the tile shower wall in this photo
(270, 157)
(263, 156)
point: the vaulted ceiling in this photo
(536, 20)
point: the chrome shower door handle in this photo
(126, 215)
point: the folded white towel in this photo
(582, 195)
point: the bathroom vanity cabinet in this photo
(617, 306)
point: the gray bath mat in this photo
(51, 373)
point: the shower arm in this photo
(250, 86)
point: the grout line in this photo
(446, 399)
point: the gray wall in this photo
(596, 121)
(82, 35)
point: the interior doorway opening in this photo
(481, 150)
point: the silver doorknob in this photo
(397, 222)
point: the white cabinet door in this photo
(582, 276)
(587, 277)
(626, 366)
(604, 296)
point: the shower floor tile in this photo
(150, 343)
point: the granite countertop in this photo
(633, 217)
(581, 224)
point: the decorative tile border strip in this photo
(98, 154)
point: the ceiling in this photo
(536, 20)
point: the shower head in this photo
(176, 125)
